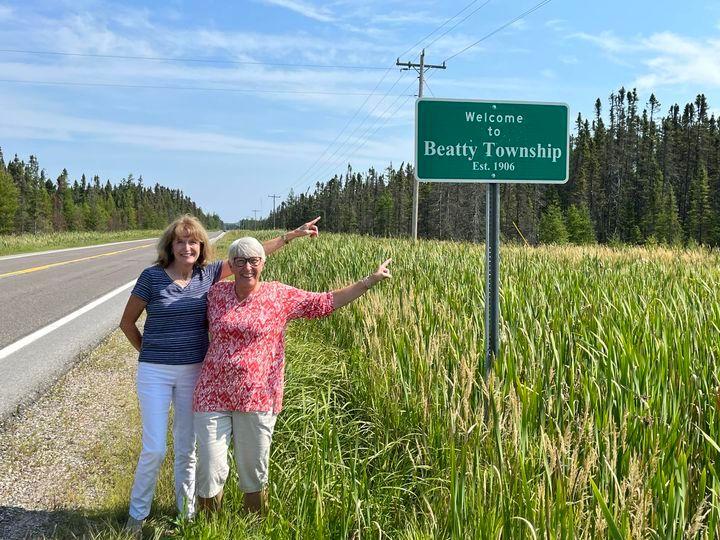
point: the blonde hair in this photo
(189, 225)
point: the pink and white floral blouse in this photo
(244, 368)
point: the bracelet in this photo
(366, 283)
(285, 239)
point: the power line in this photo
(372, 130)
(368, 134)
(365, 139)
(421, 40)
(302, 176)
(307, 171)
(190, 60)
(194, 88)
(473, 12)
(348, 137)
(486, 36)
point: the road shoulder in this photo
(61, 458)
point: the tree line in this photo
(635, 177)
(31, 202)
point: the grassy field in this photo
(600, 419)
(11, 244)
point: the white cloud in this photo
(607, 41)
(87, 33)
(669, 59)
(557, 25)
(303, 8)
(675, 60)
(34, 123)
(405, 17)
(520, 24)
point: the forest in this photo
(635, 177)
(32, 202)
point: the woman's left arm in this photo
(271, 246)
(344, 296)
(306, 229)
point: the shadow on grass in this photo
(71, 524)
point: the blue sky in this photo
(285, 126)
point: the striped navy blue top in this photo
(176, 328)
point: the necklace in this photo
(177, 276)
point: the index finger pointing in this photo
(314, 221)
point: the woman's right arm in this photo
(133, 309)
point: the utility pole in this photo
(273, 197)
(256, 221)
(420, 68)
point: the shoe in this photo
(134, 527)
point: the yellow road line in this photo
(53, 265)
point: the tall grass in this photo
(599, 419)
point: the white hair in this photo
(247, 246)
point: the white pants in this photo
(251, 434)
(158, 386)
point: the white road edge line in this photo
(21, 255)
(27, 340)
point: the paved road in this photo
(39, 290)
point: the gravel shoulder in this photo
(65, 459)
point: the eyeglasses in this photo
(252, 261)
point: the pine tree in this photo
(579, 225)
(552, 226)
(8, 201)
(699, 226)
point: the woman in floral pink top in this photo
(240, 390)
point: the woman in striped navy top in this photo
(172, 346)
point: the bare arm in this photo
(271, 246)
(226, 270)
(133, 309)
(344, 296)
(306, 229)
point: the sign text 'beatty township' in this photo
(481, 141)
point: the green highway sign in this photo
(491, 141)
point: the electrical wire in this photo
(190, 60)
(365, 140)
(347, 124)
(191, 88)
(349, 136)
(498, 29)
(412, 47)
(368, 134)
(473, 12)
(307, 172)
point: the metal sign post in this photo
(492, 142)
(492, 276)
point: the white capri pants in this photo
(251, 435)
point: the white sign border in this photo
(494, 180)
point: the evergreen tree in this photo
(8, 201)
(552, 226)
(699, 219)
(579, 225)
